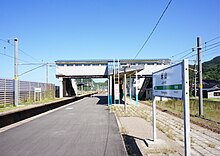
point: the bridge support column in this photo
(61, 86)
(74, 86)
(64, 88)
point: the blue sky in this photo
(49, 30)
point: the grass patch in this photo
(211, 145)
(6, 107)
(9, 107)
(211, 109)
(124, 130)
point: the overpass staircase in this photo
(146, 84)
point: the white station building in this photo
(136, 75)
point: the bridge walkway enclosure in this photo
(138, 75)
(84, 127)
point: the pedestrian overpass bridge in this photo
(139, 74)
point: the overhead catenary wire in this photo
(148, 38)
(27, 64)
(12, 57)
(3, 40)
(31, 70)
(28, 55)
(8, 41)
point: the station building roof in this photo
(105, 61)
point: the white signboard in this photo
(116, 91)
(173, 82)
(168, 82)
(37, 90)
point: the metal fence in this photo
(26, 91)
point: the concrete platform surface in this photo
(82, 128)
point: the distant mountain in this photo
(211, 69)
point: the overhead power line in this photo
(12, 57)
(28, 55)
(153, 29)
(32, 69)
(187, 54)
(3, 40)
(218, 37)
(206, 46)
(212, 52)
(183, 52)
(20, 50)
(211, 48)
(191, 50)
(205, 51)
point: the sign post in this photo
(37, 91)
(173, 82)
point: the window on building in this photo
(61, 65)
(216, 93)
(103, 64)
(69, 65)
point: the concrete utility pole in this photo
(199, 47)
(16, 72)
(195, 72)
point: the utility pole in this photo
(199, 47)
(16, 72)
(195, 72)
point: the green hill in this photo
(211, 69)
